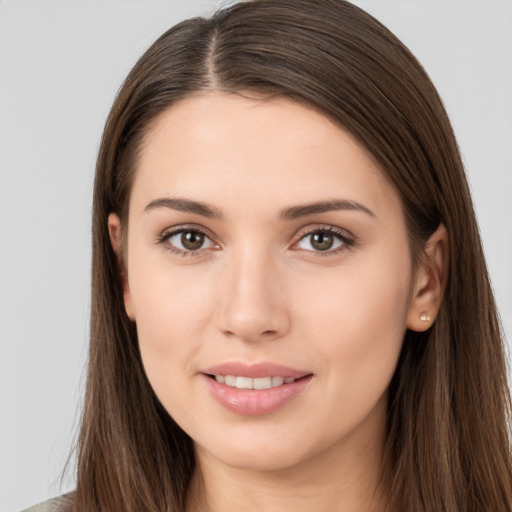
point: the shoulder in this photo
(53, 505)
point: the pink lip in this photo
(265, 369)
(252, 402)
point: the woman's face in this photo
(264, 244)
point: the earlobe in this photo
(430, 282)
(114, 229)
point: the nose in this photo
(252, 303)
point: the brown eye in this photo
(187, 241)
(323, 240)
(192, 240)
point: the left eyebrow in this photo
(295, 212)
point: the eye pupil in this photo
(192, 240)
(322, 241)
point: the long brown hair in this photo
(448, 441)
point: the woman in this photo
(290, 304)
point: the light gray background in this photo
(61, 63)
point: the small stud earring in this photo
(424, 317)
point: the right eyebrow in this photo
(185, 205)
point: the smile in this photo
(240, 382)
(255, 389)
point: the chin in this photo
(261, 460)
(254, 451)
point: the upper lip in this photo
(255, 370)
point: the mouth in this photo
(258, 383)
(255, 389)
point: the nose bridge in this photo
(252, 305)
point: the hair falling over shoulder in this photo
(448, 440)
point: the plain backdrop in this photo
(61, 63)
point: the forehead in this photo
(215, 147)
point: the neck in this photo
(343, 479)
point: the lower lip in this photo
(254, 402)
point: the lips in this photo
(253, 371)
(255, 389)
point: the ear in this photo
(430, 282)
(114, 229)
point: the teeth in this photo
(230, 381)
(262, 383)
(277, 381)
(239, 382)
(244, 383)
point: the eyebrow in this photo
(185, 205)
(287, 214)
(295, 212)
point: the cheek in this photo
(358, 321)
(169, 304)
(171, 311)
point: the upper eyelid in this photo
(300, 233)
(173, 230)
(327, 228)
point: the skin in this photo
(258, 290)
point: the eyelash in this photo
(166, 236)
(347, 241)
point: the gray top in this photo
(53, 505)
